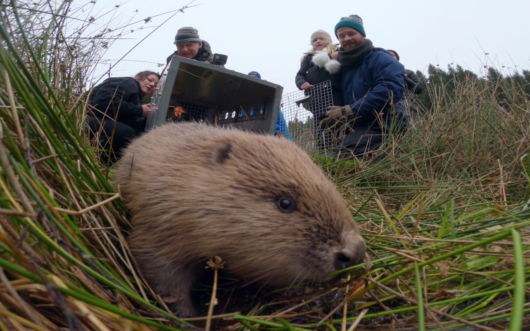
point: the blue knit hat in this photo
(255, 73)
(352, 21)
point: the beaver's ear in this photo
(222, 152)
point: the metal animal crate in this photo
(301, 111)
(199, 91)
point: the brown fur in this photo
(195, 191)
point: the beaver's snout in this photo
(345, 259)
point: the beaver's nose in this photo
(344, 260)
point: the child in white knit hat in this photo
(318, 67)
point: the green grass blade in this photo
(419, 292)
(516, 322)
(449, 211)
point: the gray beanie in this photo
(187, 35)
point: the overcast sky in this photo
(271, 36)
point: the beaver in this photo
(259, 202)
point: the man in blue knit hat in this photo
(254, 74)
(372, 85)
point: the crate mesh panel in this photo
(301, 111)
(193, 112)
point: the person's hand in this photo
(331, 115)
(306, 86)
(335, 55)
(334, 114)
(145, 109)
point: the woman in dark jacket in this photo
(117, 112)
(318, 75)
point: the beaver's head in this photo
(272, 212)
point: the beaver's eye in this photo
(286, 204)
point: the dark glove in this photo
(323, 120)
(409, 82)
(334, 114)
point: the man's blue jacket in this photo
(369, 86)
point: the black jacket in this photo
(204, 55)
(119, 98)
(412, 82)
(312, 74)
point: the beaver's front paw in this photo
(180, 306)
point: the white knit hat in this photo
(320, 34)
